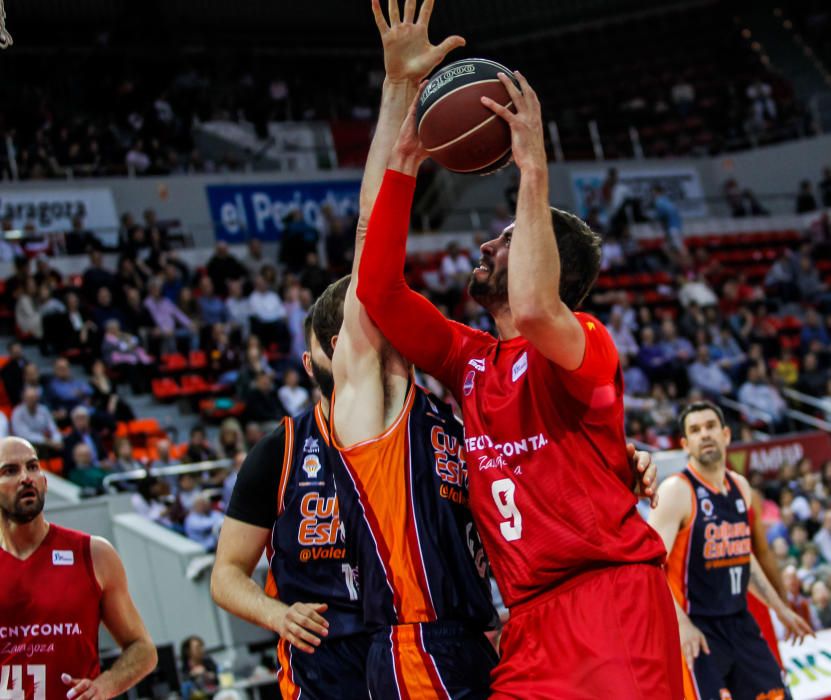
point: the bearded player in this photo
(550, 483)
(58, 586)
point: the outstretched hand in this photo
(408, 53)
(409, 153)
(527, 139)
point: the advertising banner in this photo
(808, 667)
(682, 185)
(260, 211)
(769, 456)
(52, 211)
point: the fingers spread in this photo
(426, 11)
(380, 21)
(409, 10)
(392, 7)
(448, 45)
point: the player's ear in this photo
(684, 443)
(307, 364)
(728, 435)
(334, 341)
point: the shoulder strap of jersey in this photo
(734, 486)
(689, 478)
(288, 459)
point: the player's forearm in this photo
(235, 591)
(411, 323)
(534, 262)
(762, 588)
(767, 562)
(137, 660)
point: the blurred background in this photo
(179, 181)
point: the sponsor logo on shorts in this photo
(63, 557)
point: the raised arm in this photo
(537, 310)
(357, 363)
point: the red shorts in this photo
(610, 634)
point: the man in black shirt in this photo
(12, 373)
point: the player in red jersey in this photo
(550, 484)
(58, 585)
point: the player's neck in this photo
(21, 540)
(713, 474)
(505, 326)
(324, 407)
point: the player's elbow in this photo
(218, 584)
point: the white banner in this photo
(809, 667)
(52, 211)
(682, 185)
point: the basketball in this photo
(455, 127)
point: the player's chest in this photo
(52, 587)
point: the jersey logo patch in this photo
(63, 557)
(740, 505)
(467, 387)
(520, 367)
(311, 445)
(311, 465)
(477, 364)
(707, 507)
(701, 492)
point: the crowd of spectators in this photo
(108, 329)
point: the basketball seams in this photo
(476, 128)
(444, 96)
(480, 168)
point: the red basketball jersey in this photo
(49, 616)
(550, 480)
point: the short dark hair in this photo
(695, 407)
(328, 314)
(579, 248)
(307, 325)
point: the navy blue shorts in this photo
(336, 671)
(431, 660)
(740, 661)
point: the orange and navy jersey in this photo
(709, 566)
(405, 500)
(308, 553)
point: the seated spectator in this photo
(809, 284)
(124, 460)
(668, 214)
(188, 489)
(763, 402)
(199, 448)
(634, 379)
(785, 368)
(78, 239)
(707, 376)
(173, 282)
(820, 606)
(805, 200)
(123, 352)
(224, 357)
(814, 331)
(299, 238)
(651, 357)
(231, 439)
(253, 434)
(152, 500)
(262, 404)
(164, 457)
(231, 479)
(313, 277)
(96, 276)
(32, 421)
(622, 335)
(268, 315)
(222, 267)
(255, 259)
(82, 432)
(12, 372)
(202, 523)
(27, 317)
(136, 317)
(31, 378)
(199, 671)
(129, 275)
(808, 566)
(812, 379)
(63, 391)
(726, 351)
(85, 471)
(108, 405)
(695, 289)
(295, 398)
(211, 306)
(239, 308)
(169, 321)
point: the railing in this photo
(139, 474)
(743, 409)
